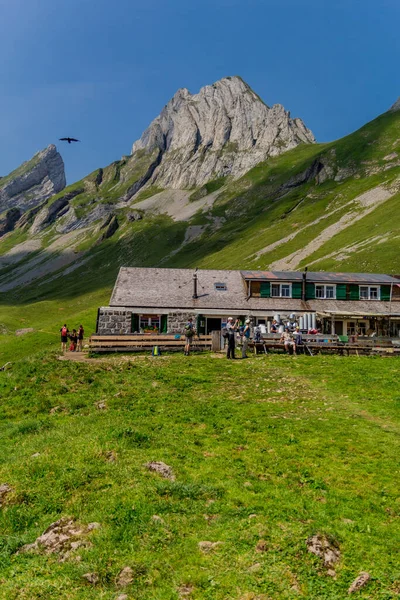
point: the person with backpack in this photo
(231, 328)
(74, 340)
(189, 334)
(64, 337)
(245, 337)
(81, 332)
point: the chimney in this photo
(195, 296)
(303, 287)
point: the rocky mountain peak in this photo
(224, 129)
(396, 106)
(34, 181)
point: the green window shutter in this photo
(385, 293)
(134, 322)
(310, 291)
(354, 292)
(341, 291)
(265, 289)
(164, 323)
(296, 290)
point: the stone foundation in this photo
(118, 321)
(114, 321)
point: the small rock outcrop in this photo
(162, 469)
(325, 549)
(225, 129)
(125, 577)
(34, 181)
(62, 537)
(109, 227)
(53, 211)
(7, 223)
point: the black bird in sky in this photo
(68, 139)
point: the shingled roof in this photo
(172, 289)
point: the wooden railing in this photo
(137, 342)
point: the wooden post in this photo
(215, 341)
(333, 325)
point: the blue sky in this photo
(101, 70)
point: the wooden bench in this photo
(139, 342)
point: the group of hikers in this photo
(76, 339)
(291, 336)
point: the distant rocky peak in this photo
(224, 129)
(396, 106)
(34, 181)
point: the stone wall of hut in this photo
(114, 321)
(118, 321)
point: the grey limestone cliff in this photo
(396, 106)
(34, 181)
(225, 129)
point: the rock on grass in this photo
(162, 469)
(209, 546)
(92, 578)
(326, 549)
(4, 490)
(358, 583)
(125, 577)
(61, 537)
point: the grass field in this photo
(265, 454)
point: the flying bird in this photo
(68, 139)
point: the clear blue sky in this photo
(102, 70)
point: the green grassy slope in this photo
(278, 455)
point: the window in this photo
(325, 291)
(150, 322)
(369, 292)
(220, 287)
(281, 290)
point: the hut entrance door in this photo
(213, 324)
(339, 327)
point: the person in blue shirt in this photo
(246, 337)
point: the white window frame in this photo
(369, 287)
(280, 289)
(324, 286)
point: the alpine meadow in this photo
(191, 477)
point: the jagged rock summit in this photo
(396, 106)
(225, 129)
(34, 181)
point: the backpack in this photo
(64, 331)
(225, 333)
(156, 351)
(189, 331)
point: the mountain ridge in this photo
(332, 206)
(224, 129)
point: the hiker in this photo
(297, 336)
(189, 334)
(274, 327)
(74, 340)
(231, 328)
(288, 341)
(245, 338)
(64, 337)
(81, 332)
